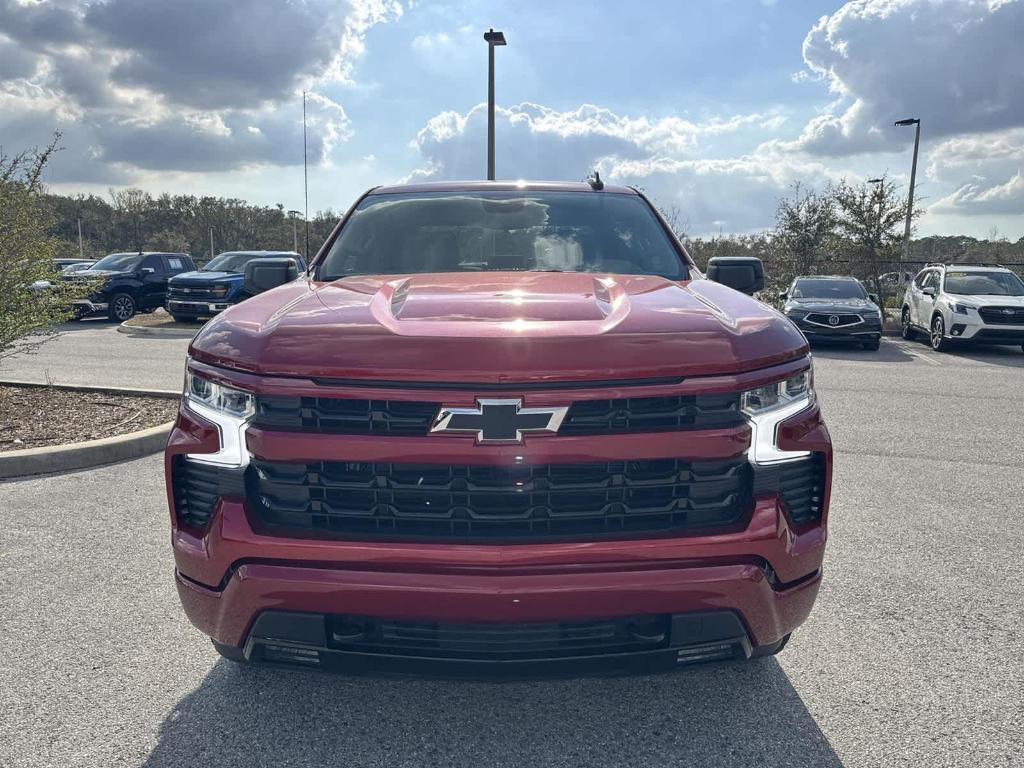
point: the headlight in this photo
(219, 291)
(219, 397)
(767, 406)
(961, 309)
(230, 409)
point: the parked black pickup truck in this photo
(132, 282)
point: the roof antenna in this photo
(595, 181)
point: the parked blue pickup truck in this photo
(217, 285)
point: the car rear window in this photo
(511, 231)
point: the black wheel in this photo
(906, 329)
(230, 653)
(122, 307)
(770, 649)
(938, 335)
(872, 346)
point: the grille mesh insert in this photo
(477, 502)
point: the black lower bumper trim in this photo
(313, 640)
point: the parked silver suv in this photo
(977, 303)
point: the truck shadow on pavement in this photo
(719, 714)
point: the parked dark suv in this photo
(218, 284)
(132, 282)
(499, 427)
(834, 308)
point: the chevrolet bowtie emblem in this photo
(499, 421)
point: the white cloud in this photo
(956, 64)
(142, 85)
(536, 142)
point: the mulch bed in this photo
(159, 318)
(33, 417)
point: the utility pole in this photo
(916, 122)
(211, 243)
(80, 249)
(305, 174)
(493, 38)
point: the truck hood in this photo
(498, 327)
(198, 277)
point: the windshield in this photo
(229, 262)
(118, 262)
(984, 284)
(828, 289)
(490, 231)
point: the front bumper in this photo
(181, 307)
(85, 307)
(231, 574)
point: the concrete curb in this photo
(166, 393)
(91, 453)
(167, 333)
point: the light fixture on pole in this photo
(493, 38)
(916, 122)
(295, 229)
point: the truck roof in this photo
(501, 186)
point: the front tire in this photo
(122, 307)
(872, 346)
(906, 329)
(937, 336)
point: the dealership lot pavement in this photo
(911, 657)
(93, 352)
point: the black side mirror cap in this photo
(873, 297)
(263, 274)
(784, 296)
(741, 273)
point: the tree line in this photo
(134, 220)
(845, 228)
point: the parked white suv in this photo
(981, 304)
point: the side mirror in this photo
(874, 298)
(929, 291)
(741, 273)
(784, 296)
(263, 274)
(146, 271)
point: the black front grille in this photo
(585, 417)
(497, 641)
(1002, 315)
(345, 416)
(198, 293)
(841, 319)
(197, 487)
(478, 502)
(652, 414)
(800, 484)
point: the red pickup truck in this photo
(498, 428)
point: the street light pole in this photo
(916, 122)
(493, 38)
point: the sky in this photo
(715, 108)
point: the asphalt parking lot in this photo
(912, 656)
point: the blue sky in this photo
(714, 108)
